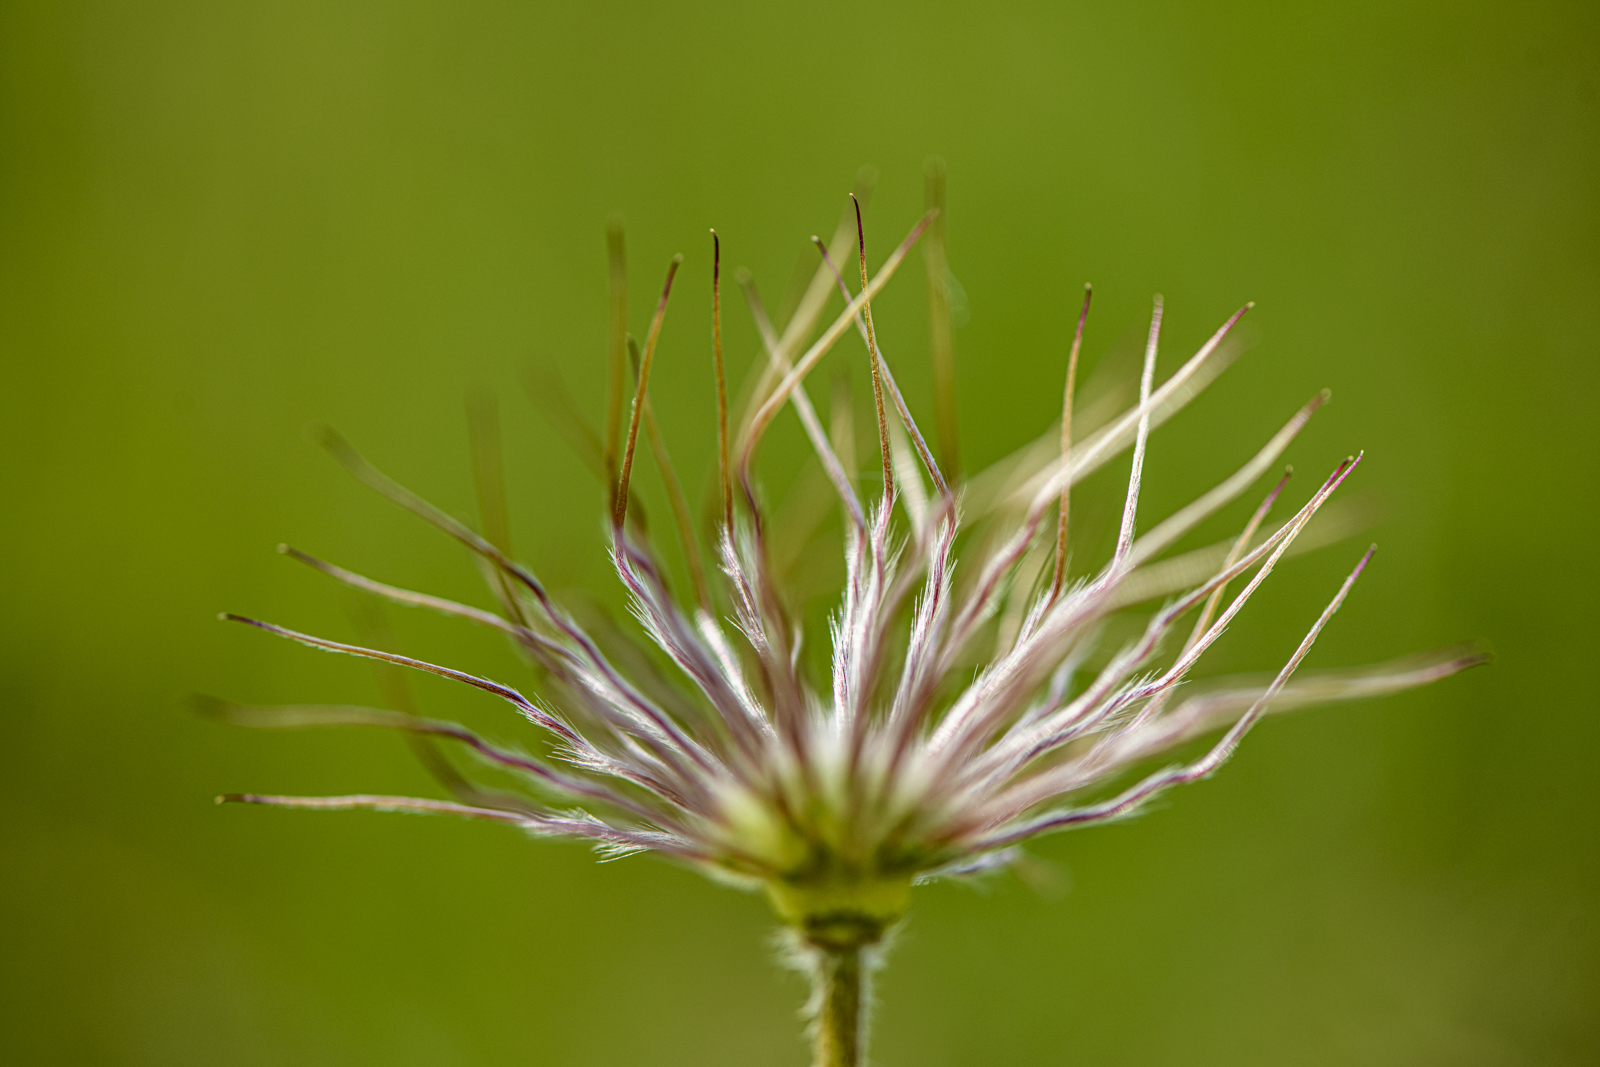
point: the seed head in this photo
(967, 706)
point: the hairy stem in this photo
(838, 1035)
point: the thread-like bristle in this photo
(941, 328)
(1060, 577)
(616, 373)
(872, 355)
(724, 482)
(620, 495)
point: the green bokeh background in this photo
(221, 222)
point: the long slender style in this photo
(724, 483)
(958, 705)
(620, 495)
(1060, 577)
(941, 324)
(877, 363)
(616, 370)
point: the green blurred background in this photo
(222, 222)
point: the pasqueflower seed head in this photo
(959, 714)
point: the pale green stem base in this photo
(838, 1036)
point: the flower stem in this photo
(838, 1031)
